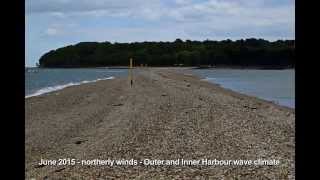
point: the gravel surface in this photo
(168, 114)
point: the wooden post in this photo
(130, 73)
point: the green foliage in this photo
(245, 53)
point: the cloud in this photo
(60, 29)
(192, 15)
(51, 32)
(256, 12)
(58, 14)
(85, 6)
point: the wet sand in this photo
(167, 114)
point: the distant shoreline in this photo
(242, 67)
(57, 87)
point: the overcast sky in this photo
(51, 24)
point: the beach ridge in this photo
(167, 114)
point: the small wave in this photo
(208, 79)
(59, 87)
(113, 71)
(31, 70)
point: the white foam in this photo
(208, 79)
(59, 87)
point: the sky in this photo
(51, 24)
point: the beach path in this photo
(167, 114)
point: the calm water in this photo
(40, 81)
(274, 85)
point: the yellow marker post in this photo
(130, 72)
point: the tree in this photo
(248, 52)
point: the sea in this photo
(272, 85)
(44, 80)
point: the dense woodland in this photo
(240, 53)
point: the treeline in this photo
(244, 53)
